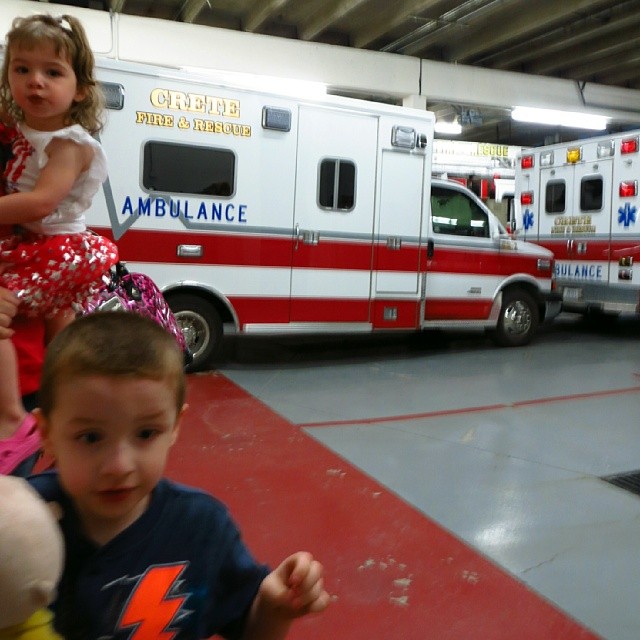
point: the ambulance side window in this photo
(454, 213)
(555, 197)
(337, 184)
(180, 168)
(591, 189)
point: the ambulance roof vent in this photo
(276, 118)
(403, 137)
(113, 95)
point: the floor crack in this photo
(543, 562)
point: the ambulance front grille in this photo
(629, 481)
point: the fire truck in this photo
(260, 212)
(580, 200)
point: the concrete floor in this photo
(451, 488)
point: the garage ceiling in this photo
(582, 40)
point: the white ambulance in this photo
(580, 200)
(267, 213)
(257, 212)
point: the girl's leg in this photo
(19, 438)
(12, 412)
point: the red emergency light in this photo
(484, 189)
(526, 162)
(630, 145)
(526, 198)
(628, 188)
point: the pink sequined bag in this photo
(138, 293)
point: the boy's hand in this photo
(296, 587)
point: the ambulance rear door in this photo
(334, 217)
(574, 219)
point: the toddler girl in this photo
(49, 95)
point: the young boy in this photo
(146, 558)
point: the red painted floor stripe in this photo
(398, 418)
(452, 412)
(395, 574)
(577, 396)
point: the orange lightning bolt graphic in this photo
(149, 608)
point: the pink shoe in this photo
(20, 446)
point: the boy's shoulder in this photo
(187, 499)
(47, 485)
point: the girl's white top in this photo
(69, 215)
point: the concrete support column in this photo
(415, 102)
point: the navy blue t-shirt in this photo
(181, 568)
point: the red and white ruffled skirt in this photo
(52, 273)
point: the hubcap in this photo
(517, 318)
(195, 330)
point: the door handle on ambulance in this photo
(306, 237)
(190, 250)
(394, 243)
(579, 247)
(430, 248)
(310, 237)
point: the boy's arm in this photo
(292, 590)
(67, 160)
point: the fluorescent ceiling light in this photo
(560, 118)
(451, 128)
(271, 84)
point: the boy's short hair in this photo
(114, 344)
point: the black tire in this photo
(201, 325)
(519, 319)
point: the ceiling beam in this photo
(529, 19)
(602, 48)
(604, 67)
(261, 13)
(191, 9)
(393, 17)
(450, 25)
(328, 16)
(626, 73)
(556, 44)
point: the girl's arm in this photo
(67, 160)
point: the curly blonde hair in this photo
(69, 39)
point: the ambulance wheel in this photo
(201, 326)
(518, 321)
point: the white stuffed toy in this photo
(31, 560)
